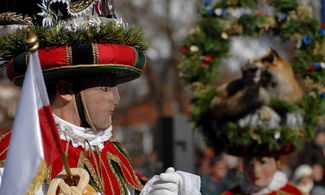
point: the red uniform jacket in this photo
(110, 170)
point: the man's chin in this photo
(103, 128)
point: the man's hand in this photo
(166, 183)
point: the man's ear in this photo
(65, 90)
(271, 57)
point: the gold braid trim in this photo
(15, 18)
(69, 55)
(116, 159)
(2, 163)
(114, 141)
(136, 56)
(95, 53)
(38, 179)
(48, 174)
(80, 5)
(109, 179)
(4, 135)
(119, 147)
(110, 158)
(4, 150)
(84, 162)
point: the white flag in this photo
(32, 141)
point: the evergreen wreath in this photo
(208, 43)
(48, 37)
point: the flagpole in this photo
(32, 45)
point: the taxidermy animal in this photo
(262, 79)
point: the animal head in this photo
(274, 74)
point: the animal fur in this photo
(262, 79)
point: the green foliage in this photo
(252, 28)
(248, 3)
(48, 37)
(308, 26)
(281, 106)
(292, 23)
(199, 102)
(284, 5)
(313, 107)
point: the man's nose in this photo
(256, 169)
(116, 96)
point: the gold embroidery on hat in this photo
(136, 56)
(69, 55)
(15, 18)
(95, 53)
(80, 5)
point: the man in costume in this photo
(263, 176)
(83, 59)
(278, 101)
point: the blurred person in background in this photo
(320, 139)
(318, 174)
(204, 161)
(312, 154)
(308, 178)
(303, 178)
(83, 95)
(262, 176)
(216, 182)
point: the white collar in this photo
(78, 135)
(279, 180)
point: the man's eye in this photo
(105, 88)
(263, 161)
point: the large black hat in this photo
(76, 39)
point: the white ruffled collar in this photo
(279, 180)
(77, 135)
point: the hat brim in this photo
(123, 62)
(122, 73)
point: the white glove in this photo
(165, 183)
(172, 183)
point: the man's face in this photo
(260, 171)
(101, 98)
(219, 169)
